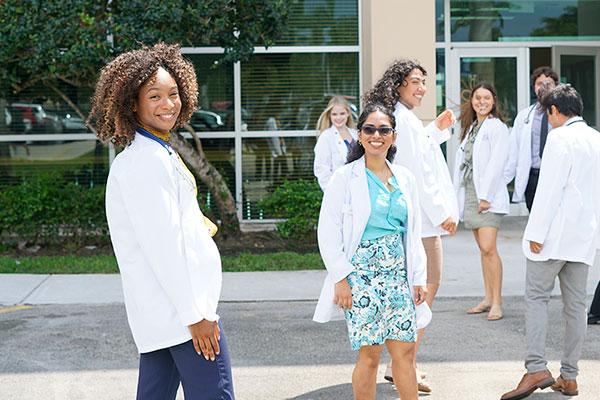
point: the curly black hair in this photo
(119, 85)
(385, 90)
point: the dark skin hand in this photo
(206, 336)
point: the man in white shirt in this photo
(561, 239)
(528, 139)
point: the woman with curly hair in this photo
(170, 266)
(402, 88)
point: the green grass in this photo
(102, 264)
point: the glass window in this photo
(500, 72)
(40, 110)
(289, 91)
(440, 80)
(215, 94)
(484, 20)
(321, 23)
(580, 71)
(267, 163)
(221, 154)
(84, 162)
(439, 20)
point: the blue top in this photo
(388, 209)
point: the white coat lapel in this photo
(340, 145)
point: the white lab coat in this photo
(565, 215)
(490, 152)
(345, 211)
(330, 154)
(519, 155)
(419, 151)
(170, 267)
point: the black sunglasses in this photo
(383, 130)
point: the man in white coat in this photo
(561, 239)
(528, 139)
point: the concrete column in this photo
(393, 29)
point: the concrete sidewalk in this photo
(462, 278)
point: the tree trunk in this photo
(208, 175)
(202, 169)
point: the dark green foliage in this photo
(44, 209)
(70, 40)
(297, 201)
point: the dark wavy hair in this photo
(544, 70)
(357, 150)
(566, 100)
(385, 90)
(468, 115)
(119, 85)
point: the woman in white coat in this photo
(402, 87)
(336, 133)
(170, 266)
(481, 187)
(370, 241)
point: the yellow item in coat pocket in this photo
(212, 228)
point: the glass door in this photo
(580, 66)
(505, 68)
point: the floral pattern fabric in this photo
(382, 302)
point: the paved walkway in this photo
(462, 278)
(65, 337)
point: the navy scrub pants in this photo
(161, 371)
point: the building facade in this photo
(257, 118)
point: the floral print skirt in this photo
(382, 302)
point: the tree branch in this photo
(73, 106)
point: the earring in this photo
(359, 143)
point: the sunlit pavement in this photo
(86, 352)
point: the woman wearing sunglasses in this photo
(402, 87)
(370, 240)
(481, 187)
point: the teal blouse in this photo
(388, 209)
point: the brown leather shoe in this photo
(529, 383)
(568, 387)
(423, 387)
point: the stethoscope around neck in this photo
(527, 119)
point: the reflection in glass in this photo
(485, 20)
(440, 80)
(221, 154)
(39, 110)
(84, 162)
(215, 94)
(321, 23)
(499, 71)
(267, 163)
(289, 91)
(579, 71)
(439, 20)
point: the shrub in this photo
(45, 209)
(298, 202)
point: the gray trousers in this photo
(539, 284)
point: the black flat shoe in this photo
(593, 319)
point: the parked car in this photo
(203, 121)
(72, 124)
(32, 118)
